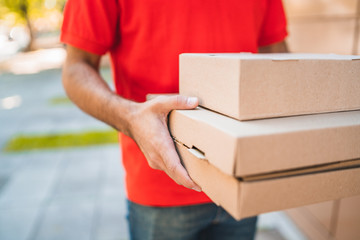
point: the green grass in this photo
(60, 100)
(39, 142)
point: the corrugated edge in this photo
(228, 168)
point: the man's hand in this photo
(145, 122)
(148, 127)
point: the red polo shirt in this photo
(145, 38)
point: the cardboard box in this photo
(308, 224)
(335, 220)
(252, 86)
(249, 197)
(348, 223)
(316, 221)
(324, 213)
(243, 148)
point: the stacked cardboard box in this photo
(288, 154)
(333, 220)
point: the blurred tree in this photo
(26, 11)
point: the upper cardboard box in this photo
(253, 86)
(244, 148)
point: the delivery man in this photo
(144, 39)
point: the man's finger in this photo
(179, 102)
(175, 170)
(180, 176)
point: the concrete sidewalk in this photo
(73, 193)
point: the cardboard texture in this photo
(249, 198)
(308, 225)
(348, 224)
(316, 221)
(270, 145)
(325, 214)
(252, 86)
(340, 218)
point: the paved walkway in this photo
(56, 194)
(74, 193)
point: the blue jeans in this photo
(204, 221)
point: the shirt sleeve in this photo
(273, 27)
(90, 25)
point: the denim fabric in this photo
(203, 222)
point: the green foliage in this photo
(26, 12)
(38, 142)
(32, 9)
(22, 9)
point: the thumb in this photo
(182, 102)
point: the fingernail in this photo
(191, 101)
(198, 189)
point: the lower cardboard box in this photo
(245, 197)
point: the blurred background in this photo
(60, 172)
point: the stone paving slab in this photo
(64, 194)
(66, 221)
(29, 184)
(111, 222)
(17, 224)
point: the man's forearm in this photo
(89, 91)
